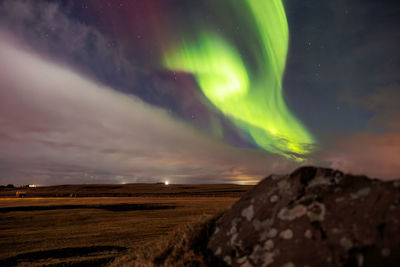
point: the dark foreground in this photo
(41, 229)
(311, 217)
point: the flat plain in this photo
(93, 230)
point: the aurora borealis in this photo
(252, 98)
(116, 91)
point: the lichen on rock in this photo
(312, 217)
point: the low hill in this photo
(129, 190)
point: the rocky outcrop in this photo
(312, 217)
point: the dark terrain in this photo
(311, 217)
(130, 190)
(90, 225)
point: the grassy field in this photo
(92, 231)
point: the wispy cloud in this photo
(375, 151)
(52, 119)
(46, 27)
(373, 154)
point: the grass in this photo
(186, 246)
(94, 231)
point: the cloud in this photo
(69, 34)
(56, 125)
(60, 124)
(52, 31)
(374, 151)
(384, 105)
(376, 155)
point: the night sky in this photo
(120, 91)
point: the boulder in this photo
(312, 217)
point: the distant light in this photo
(166, 183)
(32, 185)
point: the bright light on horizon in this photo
(166, 183)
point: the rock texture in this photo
(312, 217)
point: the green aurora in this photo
(249, 94)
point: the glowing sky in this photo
(252, 98)
(196, 91)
